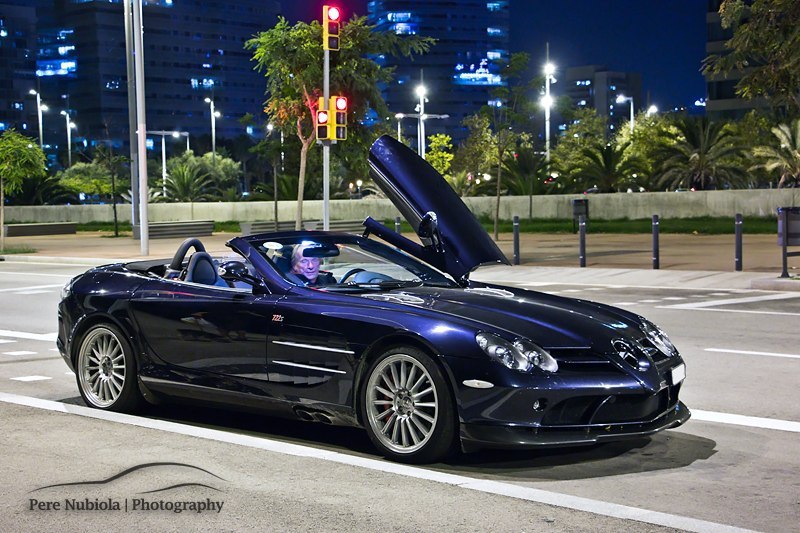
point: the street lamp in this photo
(399, 117)
(69, 125)
(622, 99)
(39, 108)
(421, 92)
(176, 135)
(547, 103)
(214, 115)
(652, 110)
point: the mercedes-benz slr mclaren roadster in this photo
(398, 340)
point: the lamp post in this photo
(40, 107)
(421, 92)
(176, 135)
(547, 103)
(622, 99)
(399, 117)
(214, 115)
(69, 125)
(652, 110)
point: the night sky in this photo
(664, 40)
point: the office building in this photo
(597, 87)
(459, 71)
(17, 65)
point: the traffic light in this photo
(331, 15)
(323, 122)
(338, 106)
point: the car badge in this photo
(277, 318)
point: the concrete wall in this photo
(751, 203)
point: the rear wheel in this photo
(407, 407)
(106, 371)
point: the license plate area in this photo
(678, 374)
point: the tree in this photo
(41, 189)
(90, 179)
(783, 155)
(701, 157)
(650, 134)
(587, 130)
(607, 167)
(474, 156)
(20, 158)
(505, 117)
(440, 152)
(765, 48)
(188, 183)
(291, 59)
(104, 157)
(528, 173)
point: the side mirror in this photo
(237, 271)
(428, 231)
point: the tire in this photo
(407, 407)
(106, 371)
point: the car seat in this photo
(202, 270)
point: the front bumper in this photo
(478, 436)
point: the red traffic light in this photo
(341, 103)
(322, 117)
(333, 13)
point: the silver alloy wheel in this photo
(402, 403)
(101, 367)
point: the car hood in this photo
(550, 321)
(416, 188)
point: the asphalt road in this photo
(735, 463)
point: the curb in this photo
(85, 261)
(777, 284)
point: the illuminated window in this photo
(493, 6)
(19, 106)
(401, 16)
(403, 28)
(493, 55)
(2, 126)
(494, 32)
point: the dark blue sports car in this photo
(376, 331)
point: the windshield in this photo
(346, 263)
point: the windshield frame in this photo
(425, 273)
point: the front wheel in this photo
(407, 407)
(106, 371)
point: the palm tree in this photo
(43, 190)
(527, 175)
(702, 156)
(607, 167)
(186, 183)
(785, 157)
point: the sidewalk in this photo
(611, 258)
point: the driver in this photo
(307, 268)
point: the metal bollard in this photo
(397, 224)
(738, 230)
(516, 240)
(582, 233)
(656, 253)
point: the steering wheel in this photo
(177, 259)
(350, 273)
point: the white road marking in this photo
(31, 378)
(30, 336)
(731, 301)
(720, 294)
(6, 341)
(649, 301)
(744, 352)
(778, 313)
(624, 303)
(21, 352)
(33, 292)
(28, 274)
(53, 349)
(674, 298)
(572, 290)
(567, 501)
(31, 288)
(749, 421)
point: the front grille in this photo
(599, 410)
(582, 360)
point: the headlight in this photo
(66, 290)
(520, 355)
(658, 338)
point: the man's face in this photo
(307, 266)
